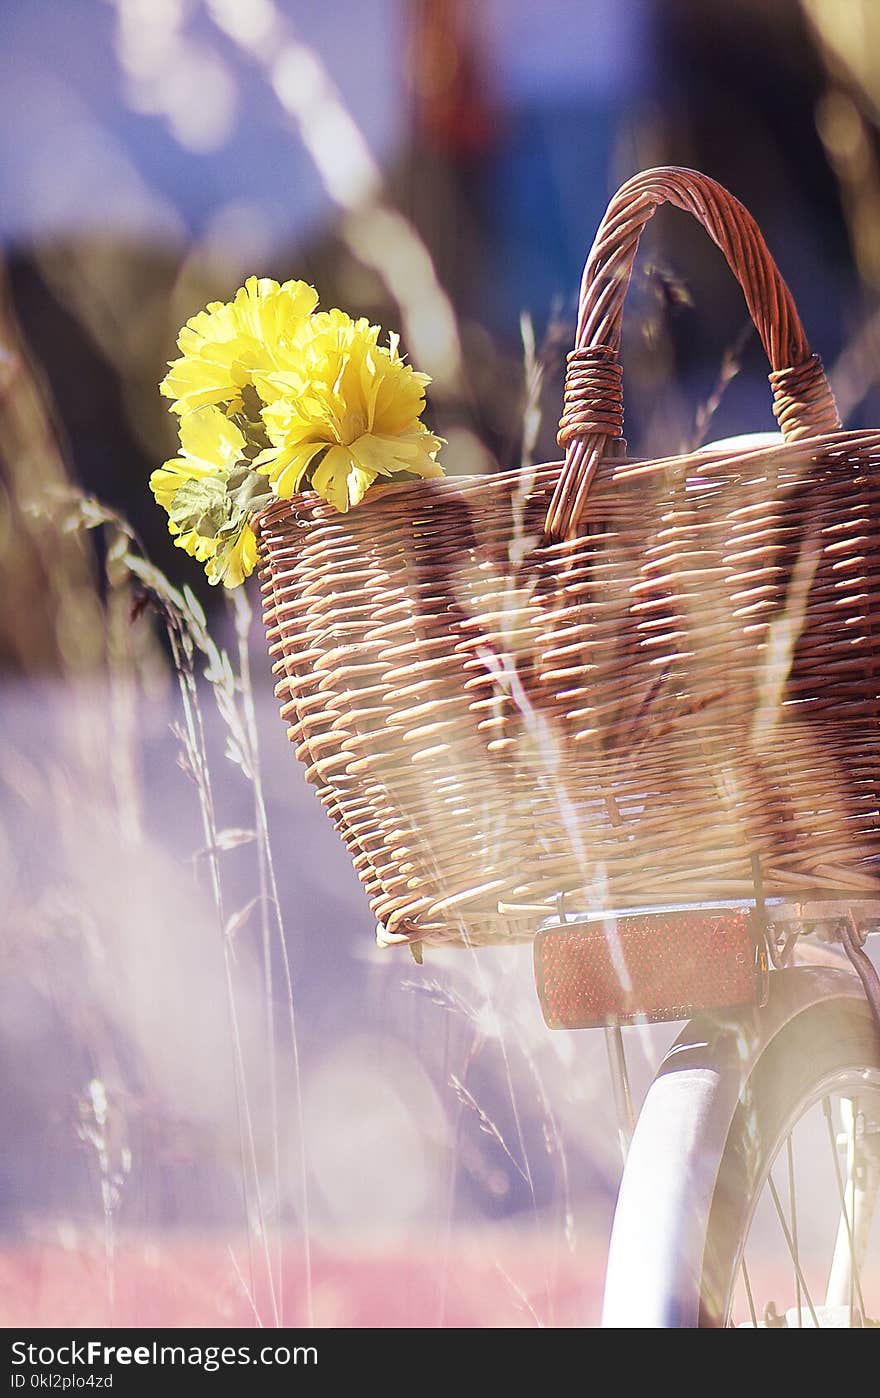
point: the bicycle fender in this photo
(655, 1260)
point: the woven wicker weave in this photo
(615, 680)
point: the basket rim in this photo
(622, 471)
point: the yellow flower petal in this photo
(195, 544)
(330, 478)
(224, 346)
(165, 482)
(209, 438)
(286, 466)
(209, 443)
(386, 455)
(231, 565)
(359, 482)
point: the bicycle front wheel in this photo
(792, 1232)
(730, 1205)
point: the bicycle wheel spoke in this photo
(855, 1279)
(751, 1300)
(797, 1266)
(792, 1205)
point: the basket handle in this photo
(593, 408)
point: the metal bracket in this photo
(623, 1103)
(853, 944)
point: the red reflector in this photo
(648, 967)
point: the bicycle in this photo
(726, 1104)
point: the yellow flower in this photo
(345, 410)
(265, 387)
(208, 493)
(232, 564)
(229, 566)
(195, 544)
(225, 345)
(209, 445)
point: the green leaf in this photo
(201, 505)
(217, 507)
(250, 422)
(248, 490)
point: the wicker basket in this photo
(614, 680)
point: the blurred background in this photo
(218, 1102)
